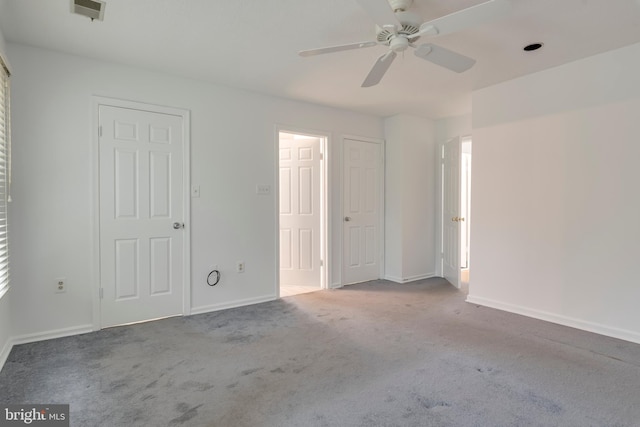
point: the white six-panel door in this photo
(300, 211)
(141, 215)
(361, 211)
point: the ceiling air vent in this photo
(93, 9)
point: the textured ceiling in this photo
(253, 44)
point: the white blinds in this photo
(5, 169)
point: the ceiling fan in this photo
(399, 29)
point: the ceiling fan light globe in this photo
(399, 44)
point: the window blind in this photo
(5, 174)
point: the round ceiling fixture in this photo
(533, 46)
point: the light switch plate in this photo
(263, 189)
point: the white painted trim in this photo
(3, 291)
(4, 354)
(233, 304)
(185, 114)
(95, 214)
(186, 206)
(363, 138)
(572, 322)
(341, 218)
(48, 335)
(325, 194)
(381, 235)
(410, 278)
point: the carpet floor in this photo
(372, 354)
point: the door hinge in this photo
(321, 262)
(321, 156)
(101, 293)
(100, 131)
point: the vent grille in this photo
(385, 36)
(93, 9)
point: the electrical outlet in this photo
(239, 266)
(61, 285)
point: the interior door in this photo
(451, 219)
(141, 215)
(361, 211)
(300, 211)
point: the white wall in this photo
(555, 194)
(5, 318)
(451, 127)
(232, 150)
(410, 203)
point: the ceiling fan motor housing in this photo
(410, 25)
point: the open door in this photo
(301, 212)
(451, 219)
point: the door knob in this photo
(178, 225)
(454, 219)
(347, 218)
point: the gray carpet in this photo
(374, 354)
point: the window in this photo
(5, 174)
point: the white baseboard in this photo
(410, 278)
(4, 354)
(232, 304)
(56, 333)
(40, 336)
(572, 322)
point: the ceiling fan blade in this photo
(379, 69)
(444, 57)
(469, 17)
(330, 49)
(381, 13)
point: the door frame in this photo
(466, 197)
(96, 102)
(325, 201)
(381, 190)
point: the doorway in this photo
(456, 209)
(301, 212)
